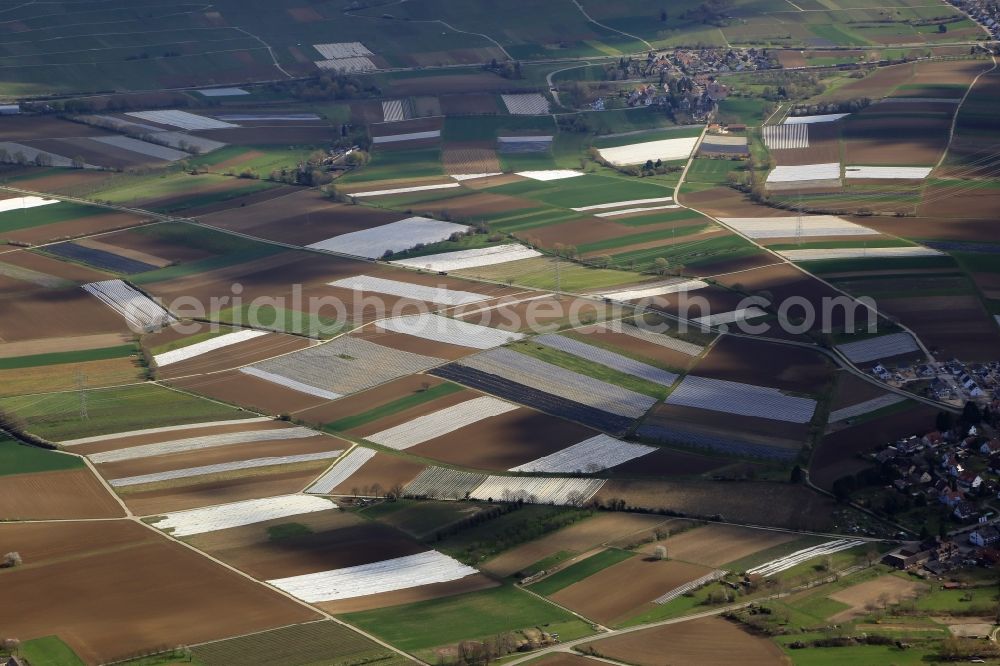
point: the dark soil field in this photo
(766, 364)
(234, 356)
(294, 135)
(56, 495)
(237, 388)
(661, 355)
(422, 593)
(377, 397)
(73, 227)
(823, 147)
(954, 326)
(412, 343)
(894, 140)
(23, 128)
(385, 470)
(63, 270)
(669, 462)
(66, 312)
(143, 594)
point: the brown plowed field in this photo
(237, 388)
(472, 583)
(376, 397)
(145, 593)
(874, 592)
(309, 135)
(892, 140)
(725, 266)
(412, 343)
(337, 540)
(302, 218)
(577, 232)
(710, 641)
(761, 503)
(22, 128)
(960, 199)
(669, 462)
(384, 470)
(64, 181)
(234, 356)
(472, 206)
(72, 228)
(471, 104)
(405, 415)
(955, 326)
(704, 234)
(823, 147)
(577, 538)
(504, 441)
(55, 345)
(769, 432)
(56, 495)
(636, 582)
(130, 253)
(65, 312)
(852, 390)
(766, 364)
(541, 315)
(837, 454)
(95, 152)
(149, 242)
(239, 201)
(251, 486)
(633, 346)
(879, 83)
(470, 157)
(714, 545)
(936, 228)
(702, 302)
(152, 438)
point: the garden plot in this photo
(181, 119)
(883, 346)
(527, 104)
(392, 110)
(393, 237)
(399, 573)
(802, 225)
(417, 292)
(575, 492)
(800, 556)
(786, 137)
(199, 443)
(342, 471)
(337, 50)
(475, 258)
(345, 365)
(139, 310)
(659, 289)
(223, 92)
(221, 468)
(142, 147)
(528, 371)
(741, 314)
(550, 174)
(439, 423)
(815, 254)
(225, 516)
(32, 155)
(640, 153)
(450, 331)
(524, 144)
(608, 359)
(406, 136)
(443, 483)
(347, 65)
(165, 429)
(621, 204)
(405, 190)
(199, 348)
(744, 399)
(804, 173)
(865, 407)
(590, 455)
(681, 346)
(20, 203)
(887, 173)
(811, 120)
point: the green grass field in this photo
(580, 570)
(261, 160)
(49, 651)
(398, 165)
(14, 220)
(57, 416)
(17, 458)
(57, 358)
(585, 190)
(393, 407)
(591, 369)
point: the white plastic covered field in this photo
(404, 190)
(550, 174)
(804, 172)
(865, 407)
(802, 225)
(17, 203)
(399, 573)
(392, 110)
(140, 311)
(337, 50)
(190, 472)
(436, 424)
(342, 471)
(290, 383)
(640, 209)
(728, 397)
(811, 120)
(622, 204)
(607, 358)
(800, 556)
(142, 147)
(640, 153)
(785, 137)
(731, 317)
(475, 258)
(462, 177)
(660, 289)
(883, 346)
(590, 455)
(537, 490)
(347, 65)
(887, 173)
(618, 326)
(450, 331)
(416, 292)
(526, 104)
(237, 514)
(813, 254)
(223, 92)
(393, 237)
(181, 119)
(203, 442)
(156, 431)
(205, 346)
(408, 136)
(31, 154)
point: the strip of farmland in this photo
(618, 326)
(199, 348)
(417, 292)
(143, 147)
(661, 289)
(811, 120)
(393, 237)
(887, 173)
(550, 174)
(745, 399)
(408, 136)
(640, 153)
(347, 65)
(800, 556)
(19, 203)
(165, 429)
(575, 492)
(727, 444)
(204, 442)
(630, 211)
(815, 254)
(290, 383)
(220, 468)
(430, 426)
(346, 365)
(591, 455)
(866, 407)
(182, 119)
(443, 483)
(786, 137)
(741, 314)
(451, 331)
(140, 311)
(801, 225)
(883, 346)
(526, 104)
(337, 50)
(237, 514)
(342, 471)
(475, 258)
(399, 573)
(622, 204)
(804, 173)
(608, 359)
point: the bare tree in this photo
(11, 559)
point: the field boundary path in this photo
(958, 110)
(608, 27)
